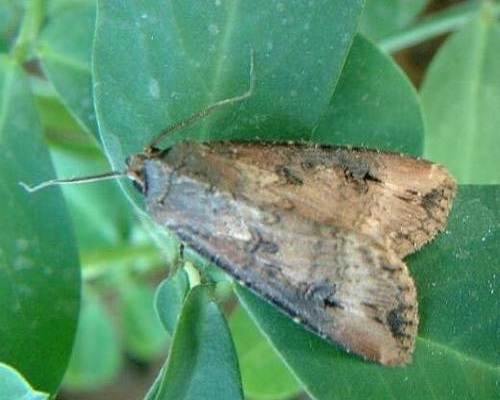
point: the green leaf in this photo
(170, 297)
(383, 17)
(461, 99)
(457, 276)
(262, 371)
(14, 387)
(64, 48)
(456, 353)
(54, 115)
(144, 336)
(178, 57)
(202, 362)
(374, 105)
(39, 275)
(96, 358)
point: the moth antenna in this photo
(69, 181)
(197, 116)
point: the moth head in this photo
(136, 169)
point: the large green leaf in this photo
(456, 354)
(202, 362)
(162, 69)
(157, 62)
(39, 275)
(461, 99)
(374, 105)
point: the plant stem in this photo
(438, 24)
(28, 32)
(99, 263)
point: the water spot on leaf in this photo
(22, 263)
(22, 244)
(213, 29)
(24, 290)
(175, 96)
(154, 88)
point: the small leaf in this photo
(363, 108)
(14, 387)
(96, 358)
(461, 99)
(39, 274)
(170, 296)
(383, 17)
(202, 363)
(65, 49)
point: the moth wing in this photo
(343, 285)
(401, 200)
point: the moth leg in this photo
(180, 254)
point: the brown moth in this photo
(319, 231)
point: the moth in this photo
(319, 231)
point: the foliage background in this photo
(85, 81)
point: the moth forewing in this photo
(401, 200)
(302, 226)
